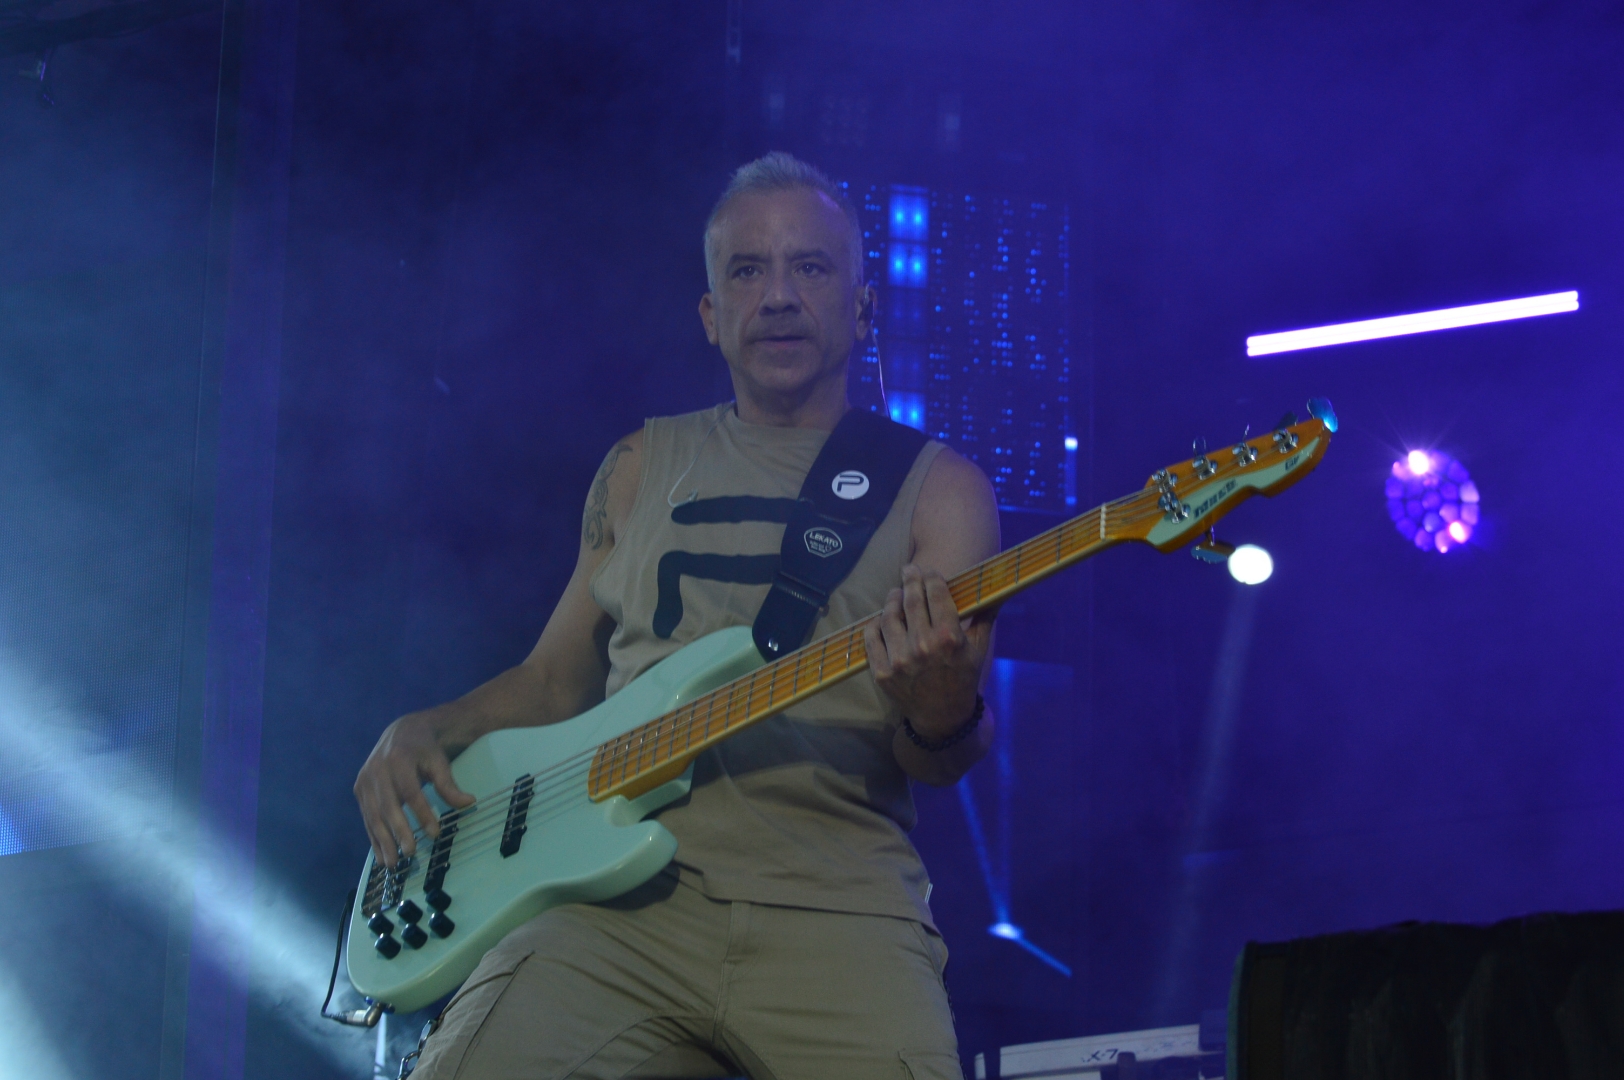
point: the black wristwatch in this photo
(934, 745)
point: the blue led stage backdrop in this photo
(971, 336)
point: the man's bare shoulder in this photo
(614, 490)
(955, 522)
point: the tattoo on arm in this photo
(593, 523)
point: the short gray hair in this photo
(779, 171)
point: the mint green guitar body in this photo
(572, 849)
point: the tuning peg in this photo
(1244, 455)
(1203, 465)
(1285, 440)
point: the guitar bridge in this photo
(372, 899)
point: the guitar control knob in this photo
(441, 925)
(387, 946)
(380, 924)
(438, 899)
(414, 936)
(409, 912)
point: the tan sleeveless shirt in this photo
(808, 808)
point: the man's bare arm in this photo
(563, 676)
(924, 656)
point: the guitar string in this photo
(559, 780)
(678, 724)
(560, 777)
(473, 842)
(556, 797)
(709, 700)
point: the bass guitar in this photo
(562, 810)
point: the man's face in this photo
(784, 308)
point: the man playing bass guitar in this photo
(791, 936)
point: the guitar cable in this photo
(362, 1018)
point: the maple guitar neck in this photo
(1177, 504)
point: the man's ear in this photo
(865, 311)
(707, 315)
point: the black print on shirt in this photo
(732, 569)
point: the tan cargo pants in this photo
(667, 983)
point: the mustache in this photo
(788, 330)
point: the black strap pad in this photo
(845, 496)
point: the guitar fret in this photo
(772, 688)
(725, 710)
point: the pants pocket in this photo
(933, 945)
(458, 1026)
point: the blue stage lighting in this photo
(1419, 322)
(907, 408)
(1432, 500)
(910, 216)
(908, 265)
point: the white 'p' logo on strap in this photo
(850, 484)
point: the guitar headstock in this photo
(1193, 494)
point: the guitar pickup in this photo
(518, 812)
(440, 857)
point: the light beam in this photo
(289, 951)
(1420, 322)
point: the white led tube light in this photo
(1419, 323)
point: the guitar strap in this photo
(846, 494)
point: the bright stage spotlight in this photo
(1432, 500)
(272, 946)
(1251, 565)
(1419, 322)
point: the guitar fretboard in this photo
(661, 749)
